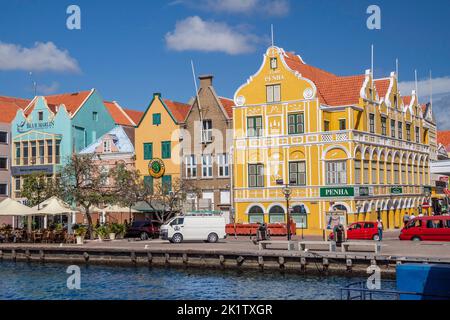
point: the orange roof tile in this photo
(19, 102)
(72, 101)
(228, 105)
(332, 90)
(382, 86)
(135, 115)
(341, 91)
(118, 114)
(9, 107)
(443, 137)
(407, 100)
(179, 110)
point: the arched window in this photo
(277, 215)
(396, 170)
(340, 207)
(256, 215)
(389, 170)
(410, 171)
(300, 216)
(416, 173)
(381, 169)
(374, 169)
(404, 170)
(358, 168)
(366, 168)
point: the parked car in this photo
(435, 228)
(194, 228)
(361, 231)
(143, 230)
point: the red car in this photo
(361, 231)
(435, 228)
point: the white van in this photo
(194, 228)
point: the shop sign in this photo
(156, 168)
(363, 191)
(396, 190)
(25, 127)
(336, 192)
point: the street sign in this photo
(337, 192)
(396, 190)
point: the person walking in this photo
(380, 229)
(406, 219)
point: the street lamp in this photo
(287, 194)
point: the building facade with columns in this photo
(348, 145)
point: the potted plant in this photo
(80, 233)
(101, 232)
(115, 230)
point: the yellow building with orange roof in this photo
(345, 144)
(157, 141)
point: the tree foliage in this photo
(36, 188)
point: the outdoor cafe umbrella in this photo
(11, 208)
(53, 207)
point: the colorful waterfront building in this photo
(8, 110)
(157, 142)
(52, 128)
(206, 149)
(348, 146)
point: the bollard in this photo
(167, 257)
(185, 258)
(86, 256)
(281, 262)
(261, 262)
(28, 255)
(303, 264)
(1, 255)
(349, 265)
(222, 260)
(240, 260)
(325, 264)
(13, 255)
(133, 257)
(149, 257)
(41, 255)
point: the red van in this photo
(435, 228)
(361, 231)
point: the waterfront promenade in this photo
(232, 253)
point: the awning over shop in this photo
(143, 207)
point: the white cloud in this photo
(45, 89)
(440, 86)
(41, 57)
(266, 7)
(195, 34)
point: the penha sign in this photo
(336, 192)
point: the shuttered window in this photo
(148, 151)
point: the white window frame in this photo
(273, 93)
(223, 165)
(191, 166)
(336, 173)
(207, 166)
(207, 131)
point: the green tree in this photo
(37, 187)
(83, 182)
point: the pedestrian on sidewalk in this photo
(406, 219)
(380, 229)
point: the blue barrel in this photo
(429, 281)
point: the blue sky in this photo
(130, 49)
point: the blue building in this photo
(52, 128)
